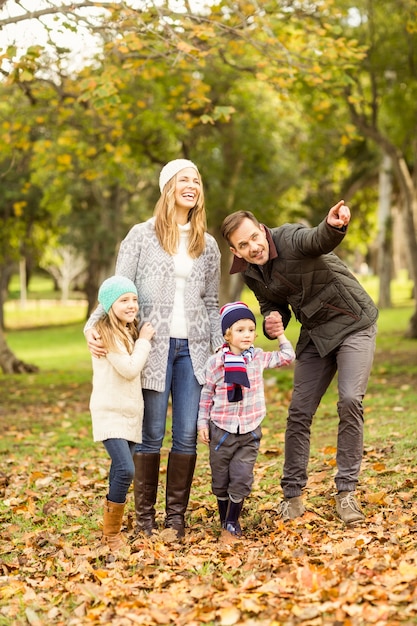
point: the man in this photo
(294, 266)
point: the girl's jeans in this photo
(312, 376)
(185, 392)
(122, 469)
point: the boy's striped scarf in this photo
(235, 374)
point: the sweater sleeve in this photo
(129, 252)
(130, 365)
(94, 317)
(279, 358)
(207, 395)
(211, 297)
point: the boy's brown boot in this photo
(112, 523)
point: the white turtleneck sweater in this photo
(183, 264)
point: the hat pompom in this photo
(233, 312)
(173, 167)
(114, 287)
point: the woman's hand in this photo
(94, 343)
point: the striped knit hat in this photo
(233, 312)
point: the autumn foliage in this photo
(309, 571)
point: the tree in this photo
(66, 265)
(153, 91)
(382, 100)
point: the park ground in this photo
(312, 570)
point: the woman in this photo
(175, 265)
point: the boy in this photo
(232, 407)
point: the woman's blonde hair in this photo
(113, 332)
(166, 225)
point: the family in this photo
(158, 335)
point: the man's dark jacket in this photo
(303, 272)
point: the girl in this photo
(116, 402)
(175, 265)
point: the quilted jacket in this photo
(305, 274)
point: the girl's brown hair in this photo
(113, 332)
(166, 225)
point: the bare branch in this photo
(63, 9)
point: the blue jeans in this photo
(352, 361)
(185, 392)
(122, 468)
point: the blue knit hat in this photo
(114, 287)
(233, 312)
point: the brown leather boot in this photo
(145, 489)
(112, 523)
(180, 472)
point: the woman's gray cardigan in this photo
(142, 259)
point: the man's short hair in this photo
(234, 220)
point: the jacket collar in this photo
(240, 265)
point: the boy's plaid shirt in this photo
(246, 415)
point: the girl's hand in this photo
(146, 331)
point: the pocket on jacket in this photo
(329, 303)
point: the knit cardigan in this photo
(116, 402)
(142, 259)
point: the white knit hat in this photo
(173, 167)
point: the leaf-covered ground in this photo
(310, 571)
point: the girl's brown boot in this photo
(112, 523)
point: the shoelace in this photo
(283, 508)
(349, 502)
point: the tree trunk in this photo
(385, 233)
(230, 285)
(408, 189)
(9, 363)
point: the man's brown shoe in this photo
(347, 508)
(290, 508)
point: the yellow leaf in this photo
(228, 616)
(64, 159)
(408, 571)
(377, 498)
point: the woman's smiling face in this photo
(187, 188)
